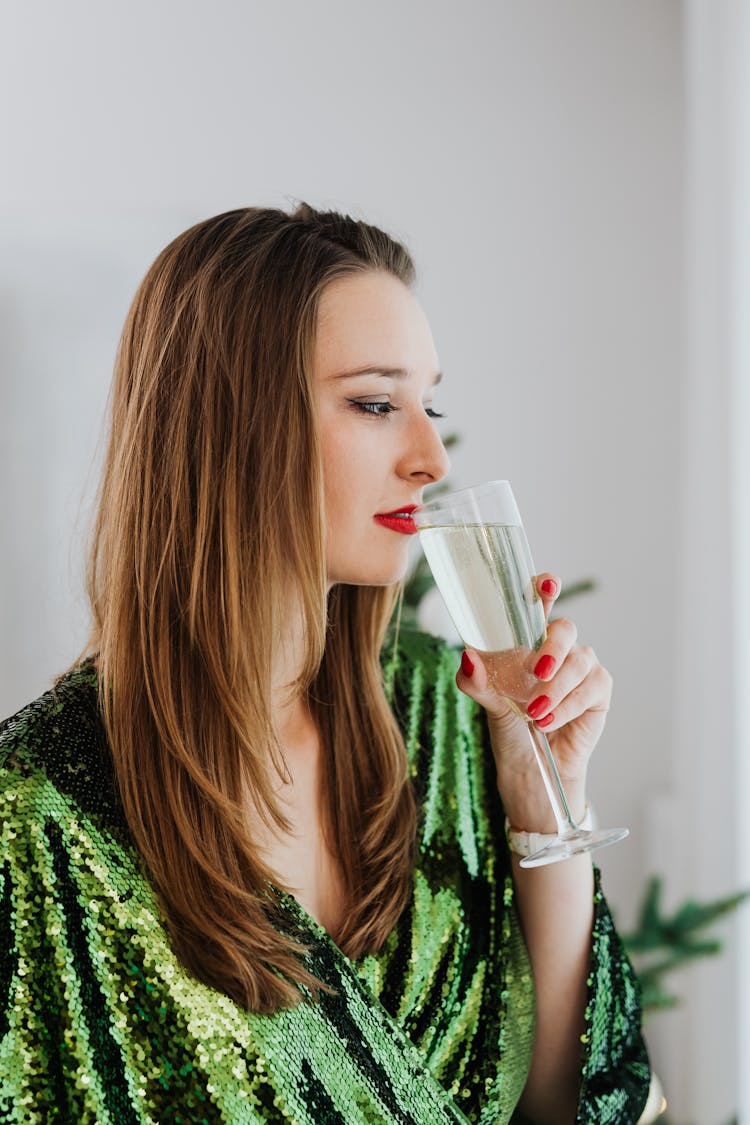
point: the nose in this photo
(424, 458)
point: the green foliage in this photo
(573, 589)
(661, 943)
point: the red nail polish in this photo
(467, 666)
(545, 722)
(538, 705)
(545, 666)
(549, 586)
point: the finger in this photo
(548, 587)
(591, 696)
(573, 672)
(548, 659)
(472, 679)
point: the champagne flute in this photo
(476, 547)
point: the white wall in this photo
(708, 713)
(531, 154)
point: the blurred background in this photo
(572, 177)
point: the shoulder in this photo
(413, 660)
(420, 679)
(415, 644)
(447, 744)
(58, 741)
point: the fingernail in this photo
(467, 666)
(545, 722)
(538, 705)
(545, 666)
(549, 586)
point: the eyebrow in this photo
(386, 372)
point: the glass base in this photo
(578, 842)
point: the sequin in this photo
(99, 1021)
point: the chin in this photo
(387, 573)
(368, 580)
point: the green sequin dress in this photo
(99, 1021)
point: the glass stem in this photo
(566, 826)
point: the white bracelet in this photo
(527, 843)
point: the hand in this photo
(570, 704)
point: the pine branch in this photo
(582, 586)
(661, 943)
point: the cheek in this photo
(336, 446)
(350, 456)
(341, 460)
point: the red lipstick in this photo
(399, 520)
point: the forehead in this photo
(372, 319)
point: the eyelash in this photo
(383, 409)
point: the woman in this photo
(254, 866)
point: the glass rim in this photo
(474, 489)
(468, 499)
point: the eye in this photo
(433, 413)
(378, 408)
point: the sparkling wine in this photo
(485, 575)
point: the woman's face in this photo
(375, 370)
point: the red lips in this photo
(399, 520)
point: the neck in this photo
(290, 709)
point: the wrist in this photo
(524, 843)
(530, 810)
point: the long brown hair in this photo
(211, 499)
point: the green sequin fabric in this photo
(100, 1022)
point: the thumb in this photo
(472, 678)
